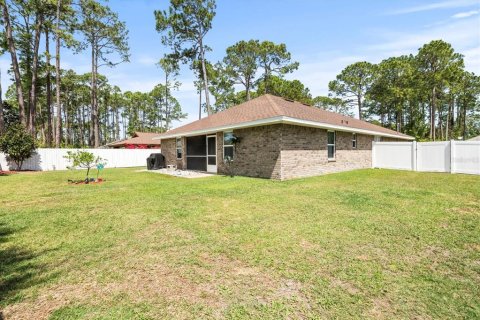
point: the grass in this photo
(363, 244)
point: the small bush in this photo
(17, 144)
(84, 160)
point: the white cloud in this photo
(437, 5)
(462, 34)
(146, 60)
(316, 71)
(466, 14)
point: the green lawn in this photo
(363, 244)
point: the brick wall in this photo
(304, 152)
(169, 150)
(284, 151)
(258, 153)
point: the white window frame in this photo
(330, 144)
(178, 148)
(227, 145)
(354, 141)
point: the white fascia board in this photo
(315, 124)
(281, 119)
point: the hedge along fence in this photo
(53, 159)
(445, 156)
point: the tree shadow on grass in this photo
(18, 269)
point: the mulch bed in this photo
(78, 182)
(7, 173)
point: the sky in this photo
(323, 36)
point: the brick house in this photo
(270, 137)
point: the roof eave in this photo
(282, 119)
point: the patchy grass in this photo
(364, 244)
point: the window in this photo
(354, 141)
(376, 138)
(331, 145)
(228, 145)
(179, 148)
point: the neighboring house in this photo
(271, 137)
(139, 140)
(477, 138)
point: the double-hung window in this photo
(228, 145)
(331, 145)
(179, 148)
(354, 141)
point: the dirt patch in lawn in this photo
(217, 283)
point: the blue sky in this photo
(324, 36)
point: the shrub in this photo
(17, 144)
(84, 160)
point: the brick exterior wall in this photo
(258, 153)
(304, 152)
(284, 151)
(169, 151)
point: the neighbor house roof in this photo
(477, 138)
(269, 109)
(138, 138)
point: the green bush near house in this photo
(361, 244)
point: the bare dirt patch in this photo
(216, 284)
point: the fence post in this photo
(452, 156)
(374, 162)
(414, 155)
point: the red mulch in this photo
(7, 173)
(100, 181)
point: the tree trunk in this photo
(359, 101)
(15, 66)
(205, 78)
(58, 130)
(48, 91)
(447, 125)
(432, 115)
(200, 105)
(464, 120)
(117, 124)
(33, 89)
(82, 125)
(96, 134)
(67, 124)
(167, 111)
(2, 122)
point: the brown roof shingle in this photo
(138, 138)
(269, 106)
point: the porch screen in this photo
(197, 153)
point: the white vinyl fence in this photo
(53, 159)
(446, 156)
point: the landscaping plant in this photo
(84, 160)
(17, 144)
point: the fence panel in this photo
(466, 157)
(393, 155)
(445, 156)
(53, 159)
(433, 156)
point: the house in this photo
(271, 137)
(477, 138)
(139, 140)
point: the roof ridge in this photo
(278, 110)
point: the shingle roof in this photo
(477, 138)
(138, 138)
(268, 106)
